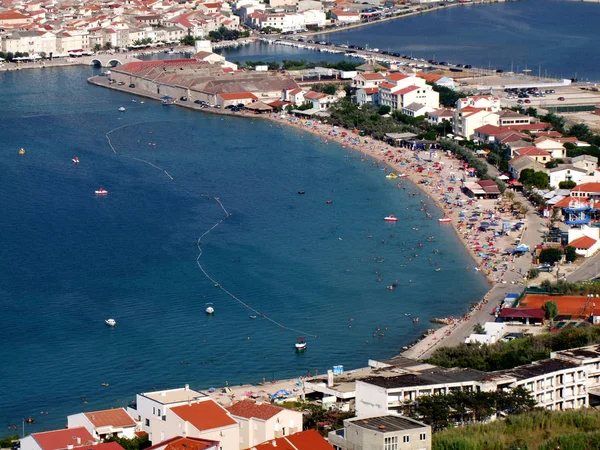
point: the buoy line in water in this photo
(133, 157)
(220, 286)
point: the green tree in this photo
(531, 111)
(478, 329)
(550, 255)
(189, 39)
(7, 441)
(383, 110)
(533, 273)
(136, 443)
(529, 177)
(551, 310)
(567, 184)
(97, 47)
(570, 253)
(107, 46)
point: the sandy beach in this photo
(439, 175)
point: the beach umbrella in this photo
(473, 219)
(211, 389)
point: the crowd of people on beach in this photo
(481, 224)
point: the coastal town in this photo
(508, 160)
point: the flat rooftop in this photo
(427, 378)
(581, 354)
(387, 424)
(169, 396)
(538, 368)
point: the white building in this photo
(400, 90)
(105, 424)
(566, 172)
(493, 333)
(152, 406)
(585, 240)
(205, 419)
(345, 17)
(368, 80)
(261, 422)
(553, 384)
(473, 112)
(381, 432)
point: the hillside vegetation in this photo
(539, 430)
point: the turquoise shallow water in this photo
(70, 259)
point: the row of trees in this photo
(554, 254)
(10, 56)
(462, 407)
(507, 355)
(225, 34)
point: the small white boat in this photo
(301, 344)
(391, 218)
(122, 109)
(445, 220)
(101, 191)
(402, 175)
(209, 308)
(76, 160)
(111, 322)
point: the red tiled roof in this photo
(205, 415)
(522, 313)
(312, 95)
(238, 96)
(371, 90)
(490, 130)
(532, 151)
(249, 409)
(110, 417)
(587, 187)
(406, 90)
(372, 76)
(432, 78)
(60, 439)
(295, 91)
(396, 76)
(185, 443)
(387, 85)
(584, 242)
(304, 440)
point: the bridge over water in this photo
(108, 60)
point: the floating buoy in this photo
(22, 151)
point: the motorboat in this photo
(301, 344)
(391, 175)
(391, 218)
(22, 151)
(445, 220)
(301, 192)
(122, 108)
(111, 322)
(101, 191)
(209, 308)
(76, 160)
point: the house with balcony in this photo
(105, 424)
(381, 432)
(260, 422)
(398, 91)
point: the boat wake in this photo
(217, 284)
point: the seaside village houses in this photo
(67, 29)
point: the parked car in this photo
(527, 100)
(198, 102)
(132, 85)
(121, 83)
(562, 99)
(183, 99)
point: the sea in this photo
(547, 38)
(302, 266)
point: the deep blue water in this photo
(548, 37)
(70, 259)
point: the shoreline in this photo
(379, 152)
(402, 16)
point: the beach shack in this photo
(473, 190)
(399, 139)
(528, 316)
(490, 188)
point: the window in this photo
(147, 422)
(423, 436)
(391, 443)
(406, 438)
